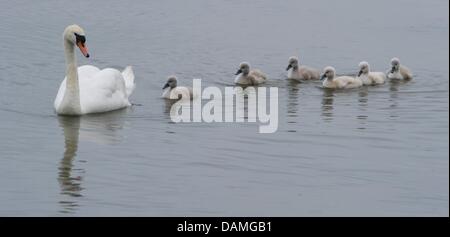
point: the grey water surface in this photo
(374, 151)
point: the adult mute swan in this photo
(245, 76)
(342, 82)
(296, 72)
(368, 77)
(87, 89)
(399, 72)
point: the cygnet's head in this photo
(171, 82)
(395, 63)
(328, 72)
(243, 68)
(293, 63)
(74, 35)
(364, 68)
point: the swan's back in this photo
(104, 91)
(344, 81)
(347, 82)
(257, 76)
(187, 92)
(87, 71)
(405, 72)
(309, 73)
(377, 78)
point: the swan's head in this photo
(293, 63)
(395, 64)
(364, 68)
(243, 68)
(328, 72)
(171, 82)
(74, 34)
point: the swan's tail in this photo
(128, 76)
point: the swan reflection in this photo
(99, 129)
(292, 106)
(327, 104)
(362, 105)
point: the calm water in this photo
(374, 151)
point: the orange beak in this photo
(83, 49)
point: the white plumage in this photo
(87, 89)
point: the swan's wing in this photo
(103, 91)
(311, 73)
(258, 73)
(181, 92)
(355, 82)
(128, 76)
(406, 73)
(341, 82)
(377, 77)
(257, 77)
(345, 81)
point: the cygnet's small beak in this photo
(238, 72)
(392, 69)
(288, 67)
(360, 72)
(323, 76)
(165, 86)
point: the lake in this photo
(374, 151)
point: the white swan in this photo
(399, 72)
(368, 77)
(87, 89)
(342, 82)
(172, 91)
(245, 76)
(296, 72)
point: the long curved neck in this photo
(71, 100)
